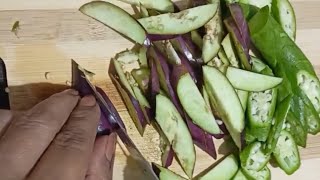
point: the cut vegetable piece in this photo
(201, 139)
(240, 176)
(224, 170)
(162, 69)
(230, 52)
(249, 81)
(216, 62)
(171, 53)
(177, 133)
(181, 22)
(263, 174)
(311, 87)
(286, 153)
(239, 43)
(160, 5)
(253, 158)
(241, 22)
(142, 77)
(222, 55)
(143, 11)
(197, 39)
(213, 36)
(283, 12)
(257, 3)
(143, 56)
(261, 107)
(132, 105)
(280, 117)
(185, 45)
(115, 18)
(194, 104)
(226, 101)
(127, 57)
(122, 76)
(154, 86)
(296, 129)
(167, 153)
(165, 174)
(243, 97)
(257, 65)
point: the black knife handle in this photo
(4, 94)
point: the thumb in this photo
(102, 159)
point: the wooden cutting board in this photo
(52, 32)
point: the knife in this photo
(111, 115)
(4, 96)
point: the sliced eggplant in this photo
(181, 22)
(122, 76)
(194, 104)
(197, 39)
(115, 17)
(240, 45)
(143, 11)
(223, 95)
(222, 55)
(213, 36)
(142, 77)
(132, 105)
(127, 57)
(224, 170)
(249, 81)
(176, 131)
(165, 174)
(230, 51)
(143, 56)
(243, 97)
(160, 5)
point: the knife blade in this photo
(110, 113)
(4, 96)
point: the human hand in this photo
(55, 140)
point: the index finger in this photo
(29, 135)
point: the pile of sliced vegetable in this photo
(216, 69)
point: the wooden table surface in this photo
(52, 32)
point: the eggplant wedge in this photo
(176, 131)
(181, 22)
(115, 17)
(225, 99)
(250, 81)
(195, 105)
(224, 170)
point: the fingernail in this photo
(72, 92)
(88, 101)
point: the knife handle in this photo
(4, 94)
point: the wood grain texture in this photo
(52, 32)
